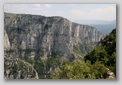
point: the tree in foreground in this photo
(80, 69)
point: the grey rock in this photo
(6, 41)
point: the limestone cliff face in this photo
(48, 34)
(31, 40)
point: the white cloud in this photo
(104, 10)
(74, 14)
(47, 5)
(24, 8)
(108, 13)
(36, 5)
(14, 7)
(78, 13)
(71, 4)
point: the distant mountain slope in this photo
(104, 27)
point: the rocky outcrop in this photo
(19, 69)
(110, 74)
(42, 37)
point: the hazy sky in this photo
(70, 11)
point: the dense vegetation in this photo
(82, 49)
(79, 69)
